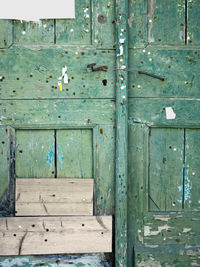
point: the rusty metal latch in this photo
(102, 68)
(151, 75)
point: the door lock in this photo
(102, 68)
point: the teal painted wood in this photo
(103, 24)
(4, 162)
(74, 153)
(6, 33)
(163, 16)
(166, 159)
(35, 154)
(66, 112)
(179, 67)
(137, 185)
(175, 256)
(104, 169)
(121, 133)
(192, 157)
(193, 36)
(26, 33)
(33, 72)
(187, 112)
(76, 31)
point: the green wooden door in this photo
(48, 133)
(164, 131)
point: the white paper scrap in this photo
(170, 114)
(64, 75)
(34, 10)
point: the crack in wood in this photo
(21, 243)
(99, 220)
(154, 202)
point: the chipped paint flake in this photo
(149, 232)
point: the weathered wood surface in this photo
(35, 154)
(33, 72)
(152, 22)
(53, 197)
(174, 255)
(6, 33)
(54, 235)
(193, 36)
(121, 133)
(166, 160)
(57, 112)
(179, 67)
(76, 31)
(74, 153)
(187, 112)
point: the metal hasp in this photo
(102, 68)
(121, 133)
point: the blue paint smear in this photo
(50, 157)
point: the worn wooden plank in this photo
(76, 31)
(6, 33)
(104, 169)
(192, 157)
(138, 21)
(171, 228)
(57, 112)
(179, 68)
(33, 72)
(74, 153)
(121, 133)
(166, 169)
(137, 186)
(35, 154)
(53, 197)
(48, 235)
(103, 24)
(187, 112)
(174, 255)
(193, 24)
(163, 16)
(41, 32)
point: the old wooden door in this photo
(164, 134)
(50, 133)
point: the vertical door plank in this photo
(166, 169)
(41, 32)
(4, 162)
(78, 30)
(193, 27)
(6, 33)
(138, 23)
(35, 154)
(103, 24)
(104, 163)
(192, 173)
(166, 22)
(74, 153)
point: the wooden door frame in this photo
(121, 132)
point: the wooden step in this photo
(55, 235)
(57, 197)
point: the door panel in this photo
(74, 153)
(35, 154)
(163, 196)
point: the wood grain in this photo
(54, 197)
(53, 235)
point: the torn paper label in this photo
(36, 9)
(170, 114)
(64, 75)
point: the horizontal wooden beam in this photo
(55, 235)
(35, 197)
